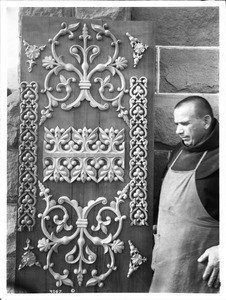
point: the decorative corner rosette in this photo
(138, 48)
(32, 52)
(136, 259)
(83, 72)
(28, 259)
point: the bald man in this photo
(186, 251)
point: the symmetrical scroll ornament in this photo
(32, 52)
(83, 154)
(136, 259)
(83, 72)
(138, 49)
(78, 234)
(27, 155)
(28, 258)
(138, 151)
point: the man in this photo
(186, 251)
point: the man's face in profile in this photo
(190, 127)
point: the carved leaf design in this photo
(68, 281)
(59, 228)
(103, 228)
(49, 137)
(119, 138)
(92, 256)
(104, 137)
(91, 282)
(99, 29)
(73, 26)
(63, 79)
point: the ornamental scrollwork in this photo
(83, 154)
(32, 52)
(80, 236)
(83, 71)
(27, 155)
(138, 49)
(136, 259)
(138, 151)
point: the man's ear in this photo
(207, 121)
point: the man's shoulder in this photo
(177, 148)
(210, 164)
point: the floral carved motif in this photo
(83, 155)
(32, 52)
(83, 72)
(138, 151)
(136, 259)
(138, 48)
(28, 259)
(27, 155)
(78, 234)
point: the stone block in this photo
(12, 174)
(189, 70)
(183, 26)
(11, 243)
(11, 264)
(164, 127)
(13, 111)
(47, 11)
(11, 229)
(103, 13)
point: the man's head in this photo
(193, 117)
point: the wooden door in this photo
(85, 156)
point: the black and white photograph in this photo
(113, 128)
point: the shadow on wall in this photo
(9, 92)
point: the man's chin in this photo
(187, 143)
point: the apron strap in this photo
(176, 158)
(197, 163)
(200, 160)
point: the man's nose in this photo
(179, 129)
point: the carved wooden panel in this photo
(27, 155)
(138, 151)
(83, 154)
(93, 157)
(80, 254)
(85, 56)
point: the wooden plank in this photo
(87, 116)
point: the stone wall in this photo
(187, 53)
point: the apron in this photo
(184, 231)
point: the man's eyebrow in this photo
(182, 123)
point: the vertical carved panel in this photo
(27, 155)
(138, 151)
